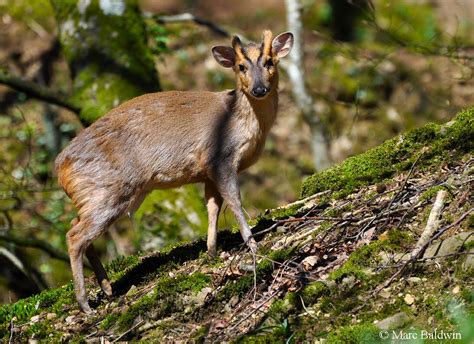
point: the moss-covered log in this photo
(105, 45)
(430, 144)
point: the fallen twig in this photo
(431, 224)
(128, 331)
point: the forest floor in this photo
(340, 265)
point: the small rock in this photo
(431, 250)
(35, 319)
(385, 294)
(200, 297)
(401, 257)
(171, 274)
(234, 301)
(65, 337)
(50, 316)
(381, 188)
(226, 309)
(32, 341)
(395, 321)
(309, 262)
(281, 229)
(70, 319)
(111, 305)
(456, 290)
(409, 299)
(454, 243)
(348, 282)
(413, 280)
(131, 291)
(246, 267)
(224, 255)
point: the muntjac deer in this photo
(167, 139)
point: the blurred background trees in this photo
(371, 69)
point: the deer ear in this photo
(225, 56)
(282, 44)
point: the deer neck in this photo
(262, 111)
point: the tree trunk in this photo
(295, 70)
(105, 45)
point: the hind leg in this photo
(79, 238)
(99, 270)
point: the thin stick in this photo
(431, 224)
(128, 331)
(306, 309)
(254, 256)
(12, 326)
(188, 17)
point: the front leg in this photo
(214, 204)
(228, 187)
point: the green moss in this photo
(362, 333)
(348, 269)
(108, 321)
(200, 334)
(108, 54)
(312, 292)
(280, 309)
(470, 221)
(431, 193)
(468, 245)
(367, 255)
(264, 269)
(165, 299)
(397, 154)
(279, 213)
(51, 300)
(399, 239)
(39, 11)
(118, 267)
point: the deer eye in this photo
(269, 63)
(242, 68)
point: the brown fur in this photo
(164, 140)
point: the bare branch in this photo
(34, 90)
(36, 243)
(188, 17)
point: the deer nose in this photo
(259, 91)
